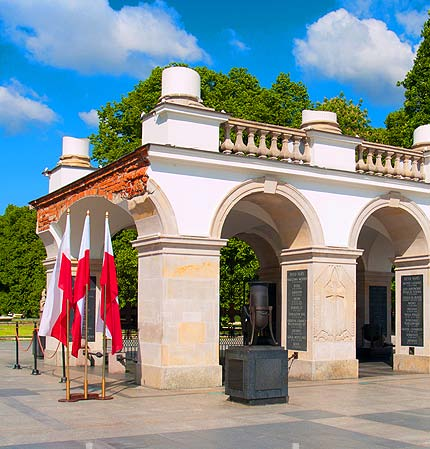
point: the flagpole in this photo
(86, 344)
(67, 351)
(104, 346)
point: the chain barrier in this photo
(19, 343)
(43, 351)
(35, 342)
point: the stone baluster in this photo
(273, 150)
(306, 151)
(407, 172)
(297, 156)
(414, 168)
(422, 176)
(239, 146)
(227, 146)
(361, 165)
(252, 148)
(285, 152)
(262, 147)
(397, 166)
(379, 168)
(371, 167)
(388, 167)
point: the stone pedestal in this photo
(257, 375)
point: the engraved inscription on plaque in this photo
(297, 299)
(91, 312)
(412, 328)
(378, 307)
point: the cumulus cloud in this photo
(90, 118)
(20, 106)
(363, 53)
(91, 37)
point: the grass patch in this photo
(25, 329)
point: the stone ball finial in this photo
(320, 120)
(180, 82)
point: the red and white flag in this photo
(109, 306)
(82, 283)
(54, 317)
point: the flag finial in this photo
(88, 212)
(107, 214)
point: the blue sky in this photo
(60, 60)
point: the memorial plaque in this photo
(297, 302)
(412, 325)
(91, 313)
(378, 307)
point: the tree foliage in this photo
(239, 264)
(22, 275)
(126, 266)
(416, 109)
(352, 118)
(238, 93)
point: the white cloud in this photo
(18, 109)
(235, 42)
(363, 53)
(412, 21)
(91, 37)
(90, 118)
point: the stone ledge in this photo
(179, 377)
(324, 370)
(419, 364)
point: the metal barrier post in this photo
(63, 359)
(17, 365)
(35, 371)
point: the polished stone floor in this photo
(381, 409)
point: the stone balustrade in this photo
(260, 140)
(383, 160)
(253, 139)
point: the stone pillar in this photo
(329, 351)
(412, 321)
(178, 315)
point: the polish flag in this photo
(109, 306)
(82, 283)
(54, 317)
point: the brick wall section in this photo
(122, 179)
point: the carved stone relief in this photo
(334, 311)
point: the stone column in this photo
(412, 323)
(178, 315)
(329, 349)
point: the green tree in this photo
(352, 118)
(238, 265)
(22, 275)
(126, 266)
(238, 93)
(416, 109)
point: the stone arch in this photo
(393, 201)
(152, 212)
(286, 192)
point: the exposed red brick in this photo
(125, 177)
